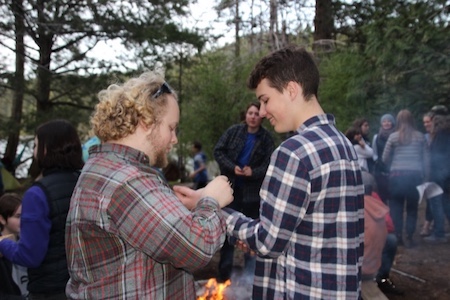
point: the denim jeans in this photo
(403, 191)
(387, 256)
(440, 208)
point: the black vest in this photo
(52, 275)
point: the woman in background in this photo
(380, 172)
(363, 150)
(45, 205)
(406, 155)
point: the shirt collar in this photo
(122, 150)
(324, 119)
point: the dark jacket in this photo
(52, 275)
(8, 288)
(439, 159)
(228, 148)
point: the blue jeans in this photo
(403, 191)
(387, 256)
(440, 208)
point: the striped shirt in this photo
(411, 157)
(129, 237)
(309, 239)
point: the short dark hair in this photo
(288, 64)
(255, 104)
(58, 146)
(9, 203)
(197, 145)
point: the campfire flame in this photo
(214, 290)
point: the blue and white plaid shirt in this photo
(309, 238)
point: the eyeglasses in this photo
(164, 89)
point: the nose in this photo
(174, 138)
(262, 111)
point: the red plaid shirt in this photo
(129, 237)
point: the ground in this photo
(422, 272)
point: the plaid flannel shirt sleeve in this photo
(282, 209)
(152, 219)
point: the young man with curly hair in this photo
(129, 235)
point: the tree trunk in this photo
(237, 18)
(323, 22)
(18, 85)
(44, 75)
(273, 27)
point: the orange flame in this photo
(214, 290)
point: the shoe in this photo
(426, 231)
(388, 287)
(410, 243)
(435, 240)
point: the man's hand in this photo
(243, 247)
(220, 189)
(8, 236)
(247, 171)
(238, 171)
(187, 196)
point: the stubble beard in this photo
(159, 156)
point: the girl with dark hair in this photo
(41, 247)
(363, 150)
(13, 277)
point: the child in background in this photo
(13, 277)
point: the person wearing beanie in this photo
(381, 173)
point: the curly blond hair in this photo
(121, 107)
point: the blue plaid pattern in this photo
(309, 239)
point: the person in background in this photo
(200, 174)
(363, 151)
(440, 174)
(57, 150)
(375, 233)
(243, 154)
(406, 155)
(426, 228)
(380, 171)
(389, 252)
(363, 125)
(129, 235)
(310, 233)
(427, 125)
(13, 278)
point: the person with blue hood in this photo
(381, 173)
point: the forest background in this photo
(375, 57)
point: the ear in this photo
(2, 221)
(293, 89)
(144, 127)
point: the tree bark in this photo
(323, 20)
(9, 157)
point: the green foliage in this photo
(401, 60)
(215, 96)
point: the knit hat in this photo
(388, 117)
